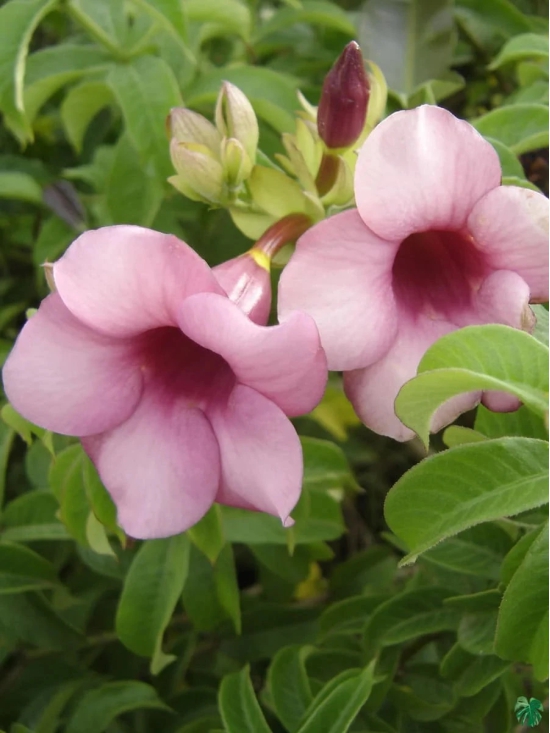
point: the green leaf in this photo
(500, 16)
(335, 412)
(104, 20)
(171, 17)
(26, 429)
(67, 483)
(475, 358)
(410, 615)
(477, 551)
(227, 586)
(522, 422)
(22, 569)
(522, 47)
(79, 108)
(230, 16)
(7, 434)
(30, 618)
(312, 12)
(239, 708)
(459, 435)
(208, 535)
(522, 127)
(509, 161)
(20, 186)
(133, 194)
(522, 627)
(18, 21)
(541, 328)
(478, 675)
(98, 708)
(325, 465)
(350, 615)
(53, 239)
(52, 68)
(289, 685)
(151, 591)
(146, 90)
(318, 517)
(460, 488)
(515, 557)
(339, 702)
(411, 41)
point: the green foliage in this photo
(411, 593)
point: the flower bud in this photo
(199, 174)
(344, 100)
(236, 164)
(246, 281)
(236, 118)
(186, 126)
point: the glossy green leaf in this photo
(313, 12)
(239, 708)
(522, 127)
(325, 465)
(67, 483)
(350, 615)
(146, 89)
(410, 615)
(460, 488)
(478, 675)
(151, 591)
(411, 41)
(499, 16)
(289, 685)
(458, 435)
(18, 21)
(19, 186)
(79, 108)
(338, 704)
(104, 20)
(474, 358)
(98, 708)
(22, 569)
(26, 429)
(522, 629)
(519, 48)
(227, 586)
(171, 17)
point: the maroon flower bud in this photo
(344, 100)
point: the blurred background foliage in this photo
(99, 633)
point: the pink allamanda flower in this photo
(435, 244)
(178, 397)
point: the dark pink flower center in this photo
(176, 367)
(437, 273)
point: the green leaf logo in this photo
(528, 712)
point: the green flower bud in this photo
(236, 118)
(186, 126)
(236, 164)
(198, 172)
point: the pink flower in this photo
(179, 398)
(434, 244)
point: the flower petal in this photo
(510, 227)
(161, 467)
(500, 401)
(372, 391)
(341, 274)
(422, 169)
(504, 298)
(66, 377)
(261, 455)
(123, 280)
(284, 363)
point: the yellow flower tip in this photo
(261, 259)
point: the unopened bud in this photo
(236, 118)
(247, 282)
(198, 172)
(344, 100)
(236, 164)
(187, 126)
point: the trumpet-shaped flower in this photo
(436, 243)
(178, 397)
